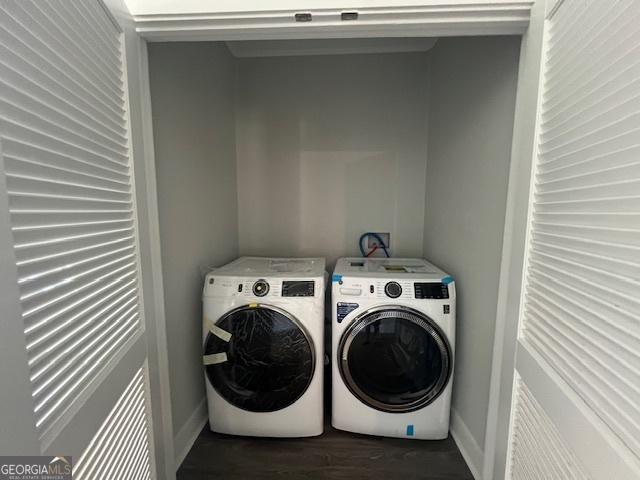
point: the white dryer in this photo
(263, 346)
(393, 336)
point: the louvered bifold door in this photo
(577, 396)
(67, 171)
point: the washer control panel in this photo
(431, 290)
(395, 289)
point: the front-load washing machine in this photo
(263, 346)
(393, 335)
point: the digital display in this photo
(295, 288)
(431, 290)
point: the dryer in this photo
(393, 336)
(263, 335)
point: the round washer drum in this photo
(395, 359)
(270, 358)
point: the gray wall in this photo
(192, 90)
(329, 147)
(473, 86)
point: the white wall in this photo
(329, 147)
(192, 89)
(473, 86)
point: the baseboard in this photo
(188, 433)
(471, 451)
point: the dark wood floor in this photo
(333, 455)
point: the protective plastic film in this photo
(270, 358)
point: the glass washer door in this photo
(395, 359)
(270, 358)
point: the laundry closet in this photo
(295, 148)
(145, 144)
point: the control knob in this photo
(393, 289)
(260, 288)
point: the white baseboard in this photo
(471, 451)
(188, 433)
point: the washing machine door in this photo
(395, 359)
(259, 358)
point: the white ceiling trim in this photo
(470, 17)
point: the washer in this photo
(263, 346)
(393, 336)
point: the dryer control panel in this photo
(260, 287)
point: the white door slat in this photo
(27, 104)
(30, 276)
(86, 175)
(25, 44)
(569, 98)
(59, 128)
(34, 288)
(624, 267)
(83, 27)
(89, 46)
(600, 42)
(23, 133)
(46, 393)
(63, 351)
(621, 141)
(572, 368)
(107, 76)
(623, 241)
(54, 345)
(598, 106)
(41, 82)
(606, 378)
(617, 346)
(49, 406)
(609, 160)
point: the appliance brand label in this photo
(344, 309)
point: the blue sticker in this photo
(336, 278)
(447, 280)
(409, 430)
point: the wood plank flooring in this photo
(333, 455)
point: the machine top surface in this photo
(272, 267)
(388, 268)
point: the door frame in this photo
(144, 178)
(417, 18)
(514, 244)
(195, 21)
